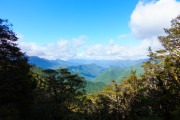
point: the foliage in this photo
(162, 74)
(94, 87)
(153, 96)
(60, 95)
(16, 86)
(115, 101)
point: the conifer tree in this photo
(15, 80)
(162, 74)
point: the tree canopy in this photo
(29, 92)
(16, 85)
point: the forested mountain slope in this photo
(118, 73)
(88, 71)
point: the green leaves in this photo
(162, 74)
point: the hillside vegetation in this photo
(118, 73)
(31, 93)
(112, 69)
(91, 87)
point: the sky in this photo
(89, 29)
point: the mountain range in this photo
(97, 73)
(93, 70)
(88, 71)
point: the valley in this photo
(97, 73)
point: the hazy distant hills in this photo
(98, 73)
(44, 63)
(88, 71)
(47, 64)
(108, 63)
(93, 70)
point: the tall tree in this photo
(15, 80)
(154, 96)
(162, 74)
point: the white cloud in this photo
(122, 36)
(62, 43)
(116, 51)
(68, 49)
(149, 19)
(147, 22)
(62, 49)
(77, 42)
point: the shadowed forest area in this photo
(28, 92)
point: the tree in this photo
(156, 95)
(64, 85)
(60, 95)
(116, 101)
(162, 75)
(15, 80)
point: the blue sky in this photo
(88, 29)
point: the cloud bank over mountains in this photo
(62, 49)
(146, 23)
